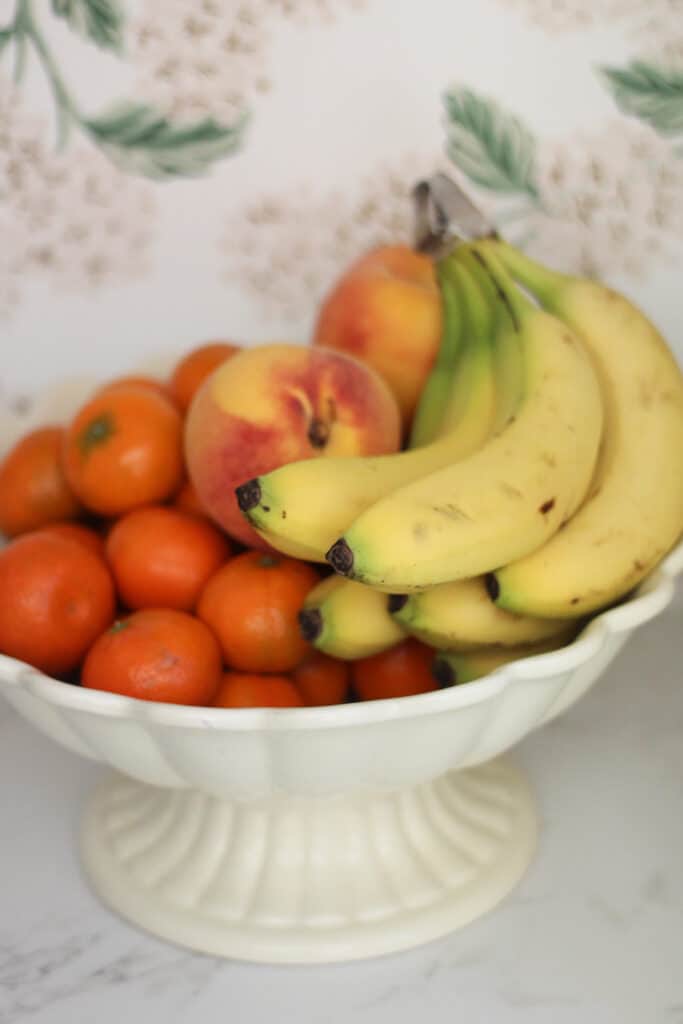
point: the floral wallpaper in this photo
(285, 248)
(173, 169)
(597, 201)
(65, 214)
(653, 28)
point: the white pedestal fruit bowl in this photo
(305, 835)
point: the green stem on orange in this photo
(117, 626)
(97, 432)
(268, 561)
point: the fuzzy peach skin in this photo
(386, 310)
(273, 404)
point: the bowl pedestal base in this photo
(310, 879)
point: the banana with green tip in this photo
(437, 392)
(347, 620)
(460, 616)
(508, 361)
(633, 513)
(510, 496)
(302, 507)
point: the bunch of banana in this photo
(509, 496)
(633, 513)
(543, 482)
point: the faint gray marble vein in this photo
(462, 961)
(468, 958)
(33, 977)
(522, 1000)
(26, 968)
(429, 970)
(384, 995)
(7, 719)
(656, 889)
(612, 915)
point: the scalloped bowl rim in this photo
(651, 597)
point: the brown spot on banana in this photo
(645, 393)
(512, 492)
(452, 511)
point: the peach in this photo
(278, 403)
(386, 311)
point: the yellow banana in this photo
(347, 620)
(633, 513)
(302, 507)
(510, 496)
(452, 667)
(460, 616)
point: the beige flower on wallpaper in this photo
(658, 33)
(569, 15)
(655, 27)
(68, 218)
(12, 261)
(311, 11)
(611, 202)
(286, 248)
(199, 58)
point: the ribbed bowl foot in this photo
(294, 880)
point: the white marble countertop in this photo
(594, 934)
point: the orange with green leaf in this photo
(123, 449)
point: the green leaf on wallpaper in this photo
(493, 148)
(101, 21)
(142, 141)
(649, 92)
